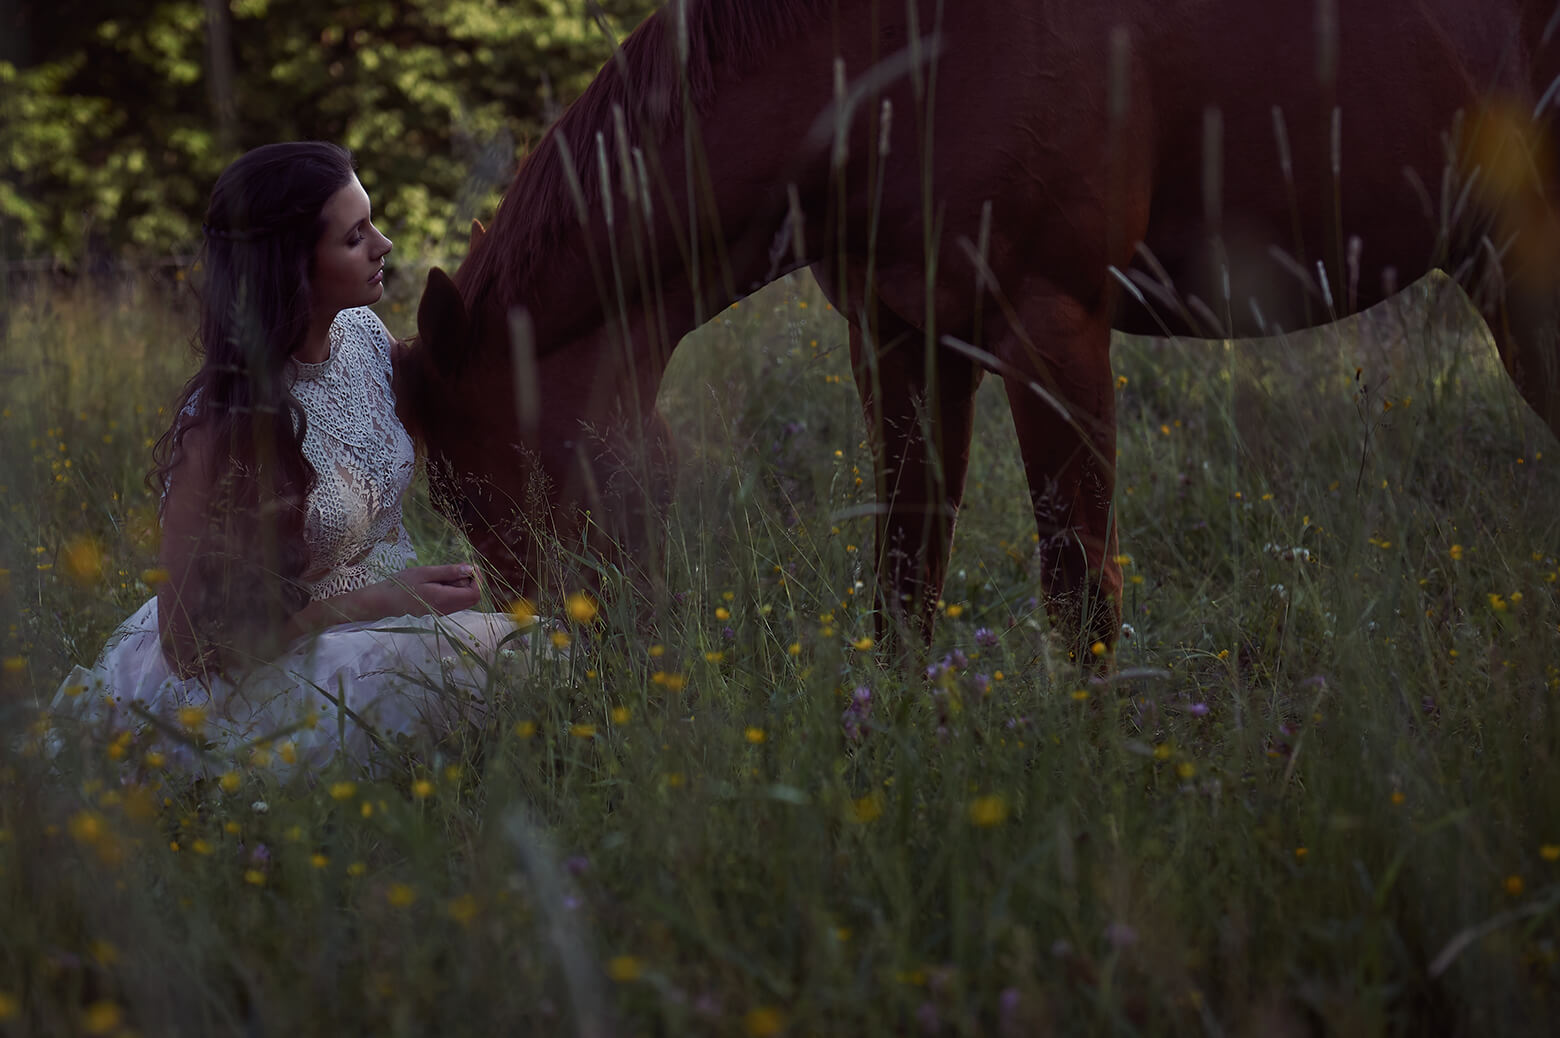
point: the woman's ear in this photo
(443, 325)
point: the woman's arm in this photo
(185, 535)
(411, 592)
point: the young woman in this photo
(291, 615)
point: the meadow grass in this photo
(1319, 796)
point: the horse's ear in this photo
(477, 231)
(442, 323)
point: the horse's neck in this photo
(716, 226)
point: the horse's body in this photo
(1265, 160)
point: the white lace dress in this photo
(356, 687)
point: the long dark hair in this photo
(261, 229)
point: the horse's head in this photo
(530, 446)
(463, 415)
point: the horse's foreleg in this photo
(919, 420)
(1063, 405)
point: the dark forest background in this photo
(117, 115)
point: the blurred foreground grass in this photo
(1322, 794)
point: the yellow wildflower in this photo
(102, 1017)
(86, 826)
(624, 968)
(763, 1022)
(669, 681)
(988, 811)
(463, 909)
(582, 609)
(83, 560)
(866, 809)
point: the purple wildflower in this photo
(985, 637)
(1120, 935)
(857, 712)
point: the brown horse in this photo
(979, 186)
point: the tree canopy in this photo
(117, 115)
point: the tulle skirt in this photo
(359, 688)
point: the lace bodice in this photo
(362, 455)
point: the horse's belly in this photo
(1280, 202)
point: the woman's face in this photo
(349, 260)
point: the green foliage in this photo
(112, 130)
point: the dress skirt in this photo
(358, 688)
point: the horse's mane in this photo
(644, 80)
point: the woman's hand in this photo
(415, 591)
(418, 590)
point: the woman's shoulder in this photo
(367, 325)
